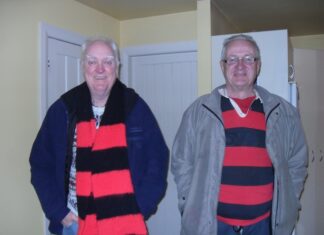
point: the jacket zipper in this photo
(271, 111)
(277, 206)
(275, 225)
(214, 114)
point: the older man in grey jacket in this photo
(239, 157)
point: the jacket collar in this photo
(270, 101)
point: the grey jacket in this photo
(197, 160)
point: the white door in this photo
(63, 68)
(63, 73)
(168, 83)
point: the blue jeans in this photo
(71, 230)
(263, 227)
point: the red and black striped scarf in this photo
(105, 193)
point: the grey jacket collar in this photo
(212, 101)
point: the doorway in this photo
(165, 76)
(59, 49)
(60, 52)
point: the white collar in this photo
(223, 92)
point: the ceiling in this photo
(130, 9)
(300, 17)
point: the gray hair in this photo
(107, 41)
(244, 37)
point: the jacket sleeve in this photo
(149, 158)
(182, 158)
(298, 155)
(47, 163)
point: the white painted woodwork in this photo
(46, 33)
(59, 67)
(167, 81)
(63, 68)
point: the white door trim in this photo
(164, 48)
(48, 31)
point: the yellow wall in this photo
(20, 81)
(210, 21)
(204, 46)
(20, 86)
(19, 97)
(158, 29)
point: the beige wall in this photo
(19, 97)
(308, 42)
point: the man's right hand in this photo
(69, 219)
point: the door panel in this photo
(63, 73)
(63, 68)
(168, 83)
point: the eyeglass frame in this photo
(245, 60)
(94, 59)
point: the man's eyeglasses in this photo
(108, 61)
(247, 60)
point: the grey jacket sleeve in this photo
(298, 155)
(182, 158)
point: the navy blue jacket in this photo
(50, 162)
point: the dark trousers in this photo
(261, 228)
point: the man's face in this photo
(100, 69)
(240, 70)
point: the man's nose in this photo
(240, 62)
(100, 67)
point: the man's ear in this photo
(222, 65)
(258, 68)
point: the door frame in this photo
(152, 49)
(47, 31)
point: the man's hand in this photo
(69, 219)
